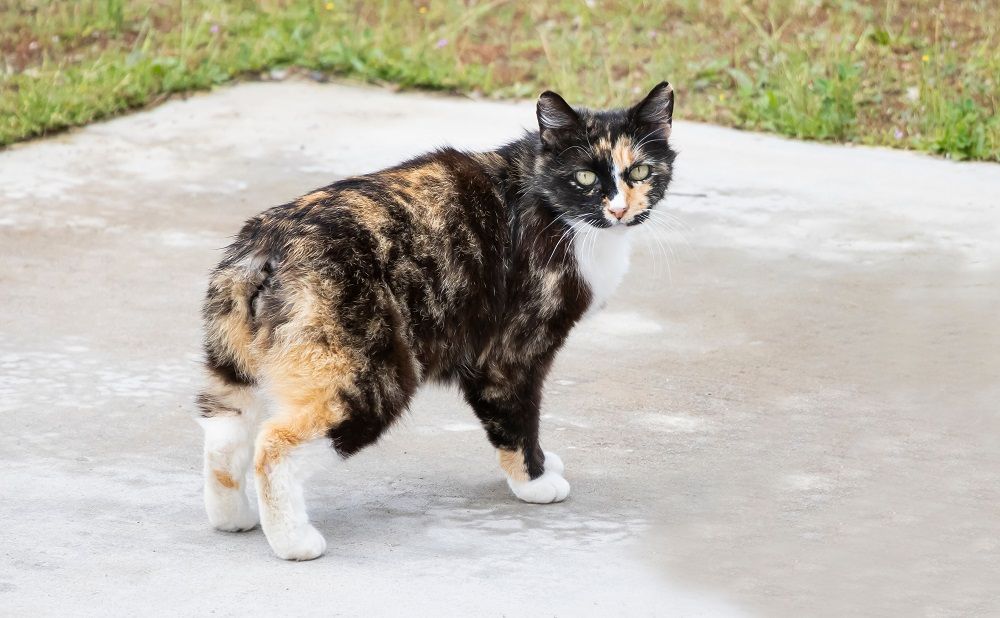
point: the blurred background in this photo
(910, 74)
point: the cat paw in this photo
(231, 514)
(553, 463)
(302, 543)
(240, 523)
(549, 487)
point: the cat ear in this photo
(657, 107)
(554, 116)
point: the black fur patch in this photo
(208, 406)
(226, 370)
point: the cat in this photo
(327, 313)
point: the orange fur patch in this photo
(369, 214)
(636, 196)
(623, 155)
(312, 198)
(230, 332)
(225, 479)
(305, 379)
(512, 463)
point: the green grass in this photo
(907, 73)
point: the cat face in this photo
(605, 168)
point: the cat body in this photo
(327, 313)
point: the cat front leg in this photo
(508, 408)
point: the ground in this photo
(792, 410)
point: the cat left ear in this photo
(657, 107)
(554, 116)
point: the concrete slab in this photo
(790, 409)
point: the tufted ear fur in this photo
(656, 108)
(555, 116)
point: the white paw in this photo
(549, 487)
(553, 463)
(229, 511)
(302, 543)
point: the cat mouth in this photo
(606, 222)
(639, 217)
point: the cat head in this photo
(605, 168)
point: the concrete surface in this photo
(799, 417)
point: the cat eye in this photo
(639, 172)
(586, 178)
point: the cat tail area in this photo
(232, 350)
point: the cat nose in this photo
(618, 210)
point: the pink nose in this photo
(618, 212)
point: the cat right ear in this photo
(657, 108)
(554, 116)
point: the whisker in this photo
(650, 141)
(580, 148)
(666, 260)
(642, 140)
(649, 239)
(669, 215)
(587, 239)
(671, 232)
(672, 224)
(557, 219)
(568, 232)
(666, 226)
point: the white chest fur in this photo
(602, 258)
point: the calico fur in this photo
(467, 268)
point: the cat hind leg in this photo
(227, 416)
(307, 383)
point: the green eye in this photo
(586, 178)
(639, 172)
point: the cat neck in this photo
(600, 257)
(602, 260)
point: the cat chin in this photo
(621, 228)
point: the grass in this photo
(905, 73)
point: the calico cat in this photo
(328, 312)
